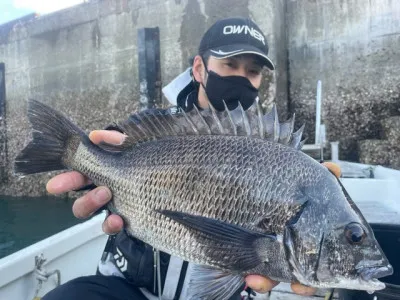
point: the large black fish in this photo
(229, 191)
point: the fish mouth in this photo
(370, 273)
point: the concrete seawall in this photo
(84, 62)
(353, 47)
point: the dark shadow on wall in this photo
(3, 128)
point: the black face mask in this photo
(231, 89)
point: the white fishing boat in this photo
(33, 271)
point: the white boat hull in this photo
(74, 252)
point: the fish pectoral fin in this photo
(209, 283)
(245, 245)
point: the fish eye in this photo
(355, 233)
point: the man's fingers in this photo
(260, 284)
(263, 284)
(334, 168)
(107, 136)
(86, 205)
(66, 182)
(113, 224)
(302, 289)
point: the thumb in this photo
(334, 168)
(260, 284)
(107, 136)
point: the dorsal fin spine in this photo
(202, 119)
(276, 124)
(260, 120)
(132, 127)
(301, 144)
(286, 131)
(194, 128)
(142, 127)
(215, 117)
(245, 119)
(170, 115)
(161, 125)
(296, 138)
(155, 128)
(291, 126)
(234, 129)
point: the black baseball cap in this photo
(234, 36)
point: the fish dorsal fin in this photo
(296, 139)
(237, 118)
(286, 130)
(198, 119)
(245, 119)
(261, 127)
(254, 116)
(271, 123)
(229, 117)
(163, 126)
(191, 126)
(156, 123)
(276, 127)
(215, 120)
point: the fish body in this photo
(228, 191)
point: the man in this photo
(228, 67)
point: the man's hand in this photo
(96, 198)
(334, 168)
(262, 284)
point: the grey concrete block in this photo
(391, 130)
(374, 152)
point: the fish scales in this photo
(161, 175)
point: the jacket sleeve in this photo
(135, 260)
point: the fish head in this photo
(331, 245)
(350, 257)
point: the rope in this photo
(42, 275)
(329, 294)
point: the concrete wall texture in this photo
(353, 47)
(83, 61)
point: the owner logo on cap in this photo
(235, 36)
(237, 29)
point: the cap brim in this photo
(238, 49)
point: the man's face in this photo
(246, 65)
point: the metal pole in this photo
(335, 151)
(149, 67)
(318, 115)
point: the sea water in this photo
(24, 221)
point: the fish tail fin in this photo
(54, 141)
